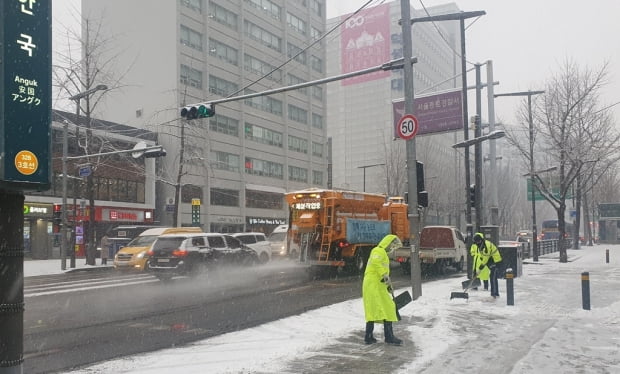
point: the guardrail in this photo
(545, 247)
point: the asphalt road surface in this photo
(77, 319)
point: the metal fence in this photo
(545, 247)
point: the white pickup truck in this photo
(440, 247)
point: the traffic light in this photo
(422, 193)
(157, 152)
(57, 218)
(198, 111)
(472, 195)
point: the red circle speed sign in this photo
(407, 126)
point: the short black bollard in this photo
(607, 255)
(510, 294)
(585, 290)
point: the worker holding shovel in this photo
(486, 258)
(379, 305)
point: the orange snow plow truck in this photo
(338, 229)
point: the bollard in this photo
(607, 255)
(585, 290)
(510, 295)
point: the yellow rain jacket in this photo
(378, 303)
(483, 256)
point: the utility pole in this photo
(493, 201)
(478, 153)
(532, 173)
(412, 182)
(364, 167)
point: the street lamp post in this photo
(364, 167)
(65, 150)
(532, 174)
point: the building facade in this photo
(124, 186)
(236, 165)
(366, 153)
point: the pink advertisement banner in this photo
(365, 42)
(435, 113)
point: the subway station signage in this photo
(25, 94)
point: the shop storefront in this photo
(39, 234)
(263, 224)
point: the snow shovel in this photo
(474, 282)
(400, 300)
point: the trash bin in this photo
(512, 257)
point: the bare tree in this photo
(81, 68)
(573, 134)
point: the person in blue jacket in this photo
(379, 305)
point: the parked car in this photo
(258, 242)
(134, 256)
(194, 253)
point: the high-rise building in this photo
(365, 151)
(237, 164)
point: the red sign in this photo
(407, 127)
(365, 43)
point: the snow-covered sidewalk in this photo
(546, 331)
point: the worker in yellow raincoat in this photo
(486, 260)
(376, 291)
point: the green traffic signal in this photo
(198, 111)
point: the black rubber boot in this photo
(389, 334)
(368, 338)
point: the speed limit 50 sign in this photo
(407, 126)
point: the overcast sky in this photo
(527, 40)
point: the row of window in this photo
(193, 39)
(109, 189)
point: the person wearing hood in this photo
(486, 258)
(379, 305)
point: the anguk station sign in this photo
(25, 94)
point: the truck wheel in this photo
(460, 265)
(440, 267)
(406, 266)
(361, 258)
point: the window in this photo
(189, 192)
(191, 77)
(317, 149)
(316, 64)
(315, 33)
(223, 52)
(317, 121)
(296, 23)
(225, 161)
(191, 38)
(223, 15)
(316, 7)
(297, 144)
(268, 7)
(292, 79)
(397, 84)
(262, 135)
(298, 114)
(296, 53)
(261, 68)
(224, 125)
(317, 92)
(224, 197)
(317, 177)
(263, 36)
(193, 4)
(264, 168)
(263, 200)
(296, 174)
(265, 103)
(221, 86)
